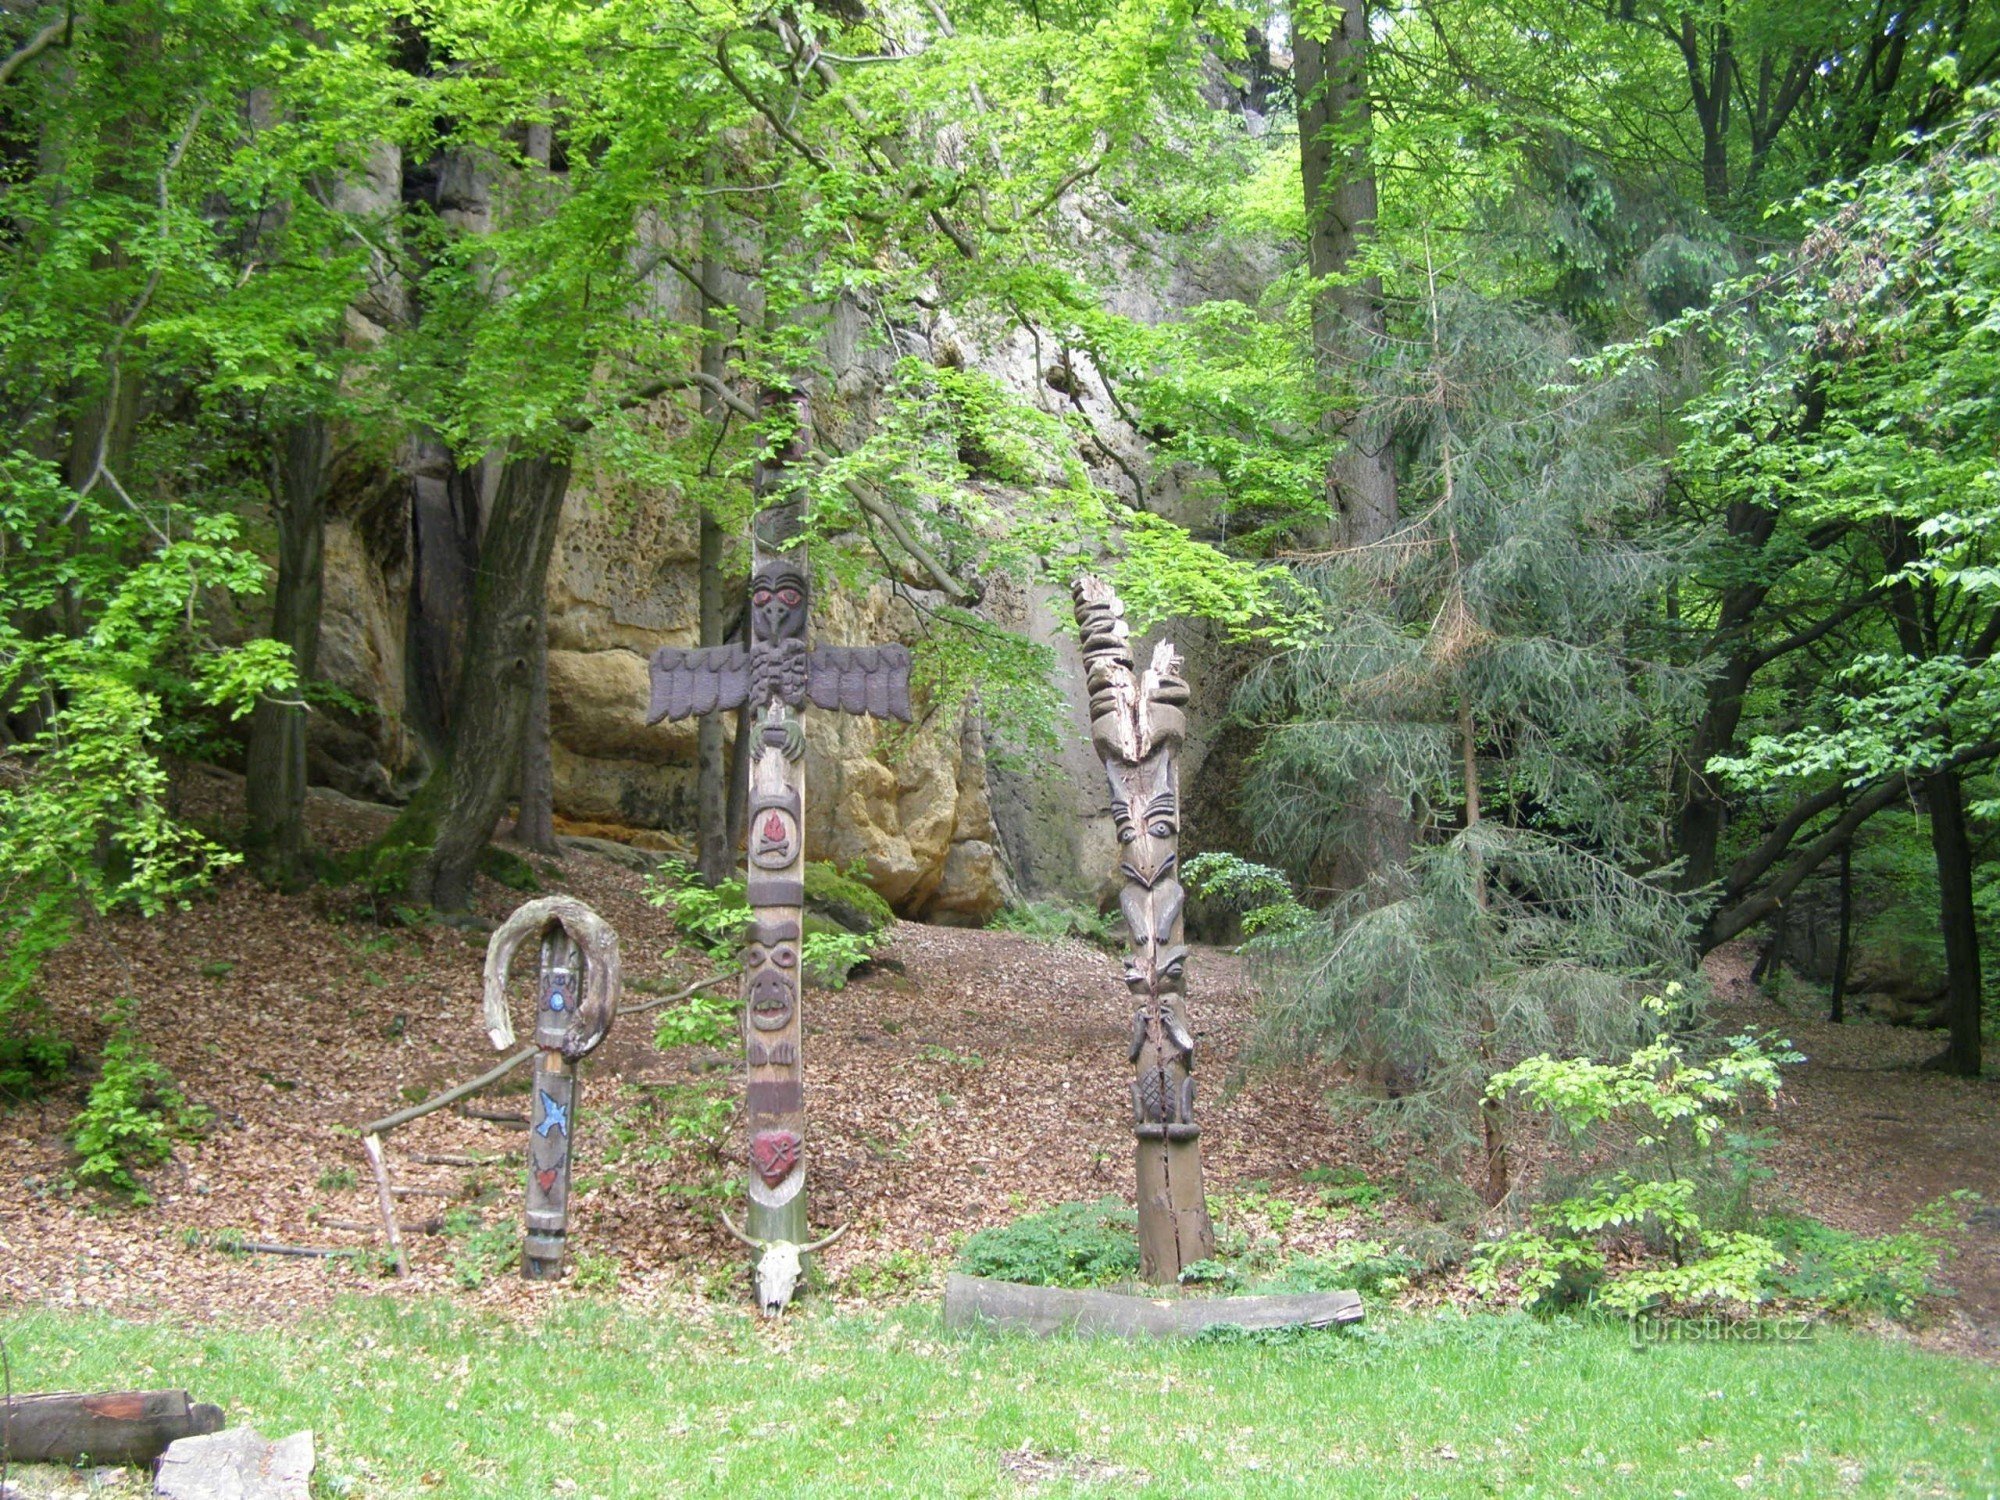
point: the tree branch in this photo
(33, 48)
(1735, 920)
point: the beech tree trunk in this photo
(715, 855)
(1952, 848)
(444, 562)
(275, 793)
(451, 819)
(1330, 70)
(1914, 610)
(1330, 66)
(1843, 948)
(535, 814)
(715, 846)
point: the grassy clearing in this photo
(422, 1399)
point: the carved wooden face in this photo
(778, 595)
(1146, 806)
(771, 957)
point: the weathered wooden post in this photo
(776, 674)
(1137, 723)
(576, 1002)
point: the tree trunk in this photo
(1330, 66)
(275, 792)
(715, 850)
(535, 816)
(1330, 69)
(444, 564)
(451, 819)
(1843, 948)
(1913, 608)
(736, 804)
(1702, 809)
(715, 855)
(1953, 851)
(1498, 1173)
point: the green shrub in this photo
(1261, 896)
(31, 1059)
(712, 918)
(133, 1116)
(1844, 1272)
(698, 1021)
(1358, 1265)
(481, 1251)
(1676, 1110)
(1072, 1244)
(1344, 1187)
(1051, 921)
(828, 957)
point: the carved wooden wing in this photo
(862, 680)
(697, 680)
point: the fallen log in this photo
(975, 1301)
(494, 1116)
(363, 1226)
(107, 1427)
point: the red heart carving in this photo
(546, 1180)
(774, 1153)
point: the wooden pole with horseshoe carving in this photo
(1137, 723)
(576, 1000)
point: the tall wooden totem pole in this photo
(776, 674)
(1137, 723)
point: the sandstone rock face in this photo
(909, 805)
(939, 822)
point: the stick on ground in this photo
(372, 1144)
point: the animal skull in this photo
(779, 1263)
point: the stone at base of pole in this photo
(1174, 1227)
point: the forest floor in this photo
(973, 1076)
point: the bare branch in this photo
(33, 48)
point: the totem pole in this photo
(577, 1000)
(1137, 724)
(776, 674)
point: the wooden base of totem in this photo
(785, 1222)
(1174, 1227)
(975, 1302)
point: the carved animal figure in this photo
(776, 664)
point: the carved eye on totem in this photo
(1161, 828)
(1127, 833)
(785, 956)
(754, 955)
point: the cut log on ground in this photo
(975, 1302)
(107, 1427)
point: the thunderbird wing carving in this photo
(688, 681)
(861, 680)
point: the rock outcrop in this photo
(909, 805)
(938, 824)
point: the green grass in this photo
(422, 1399)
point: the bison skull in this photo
(779, 1263)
